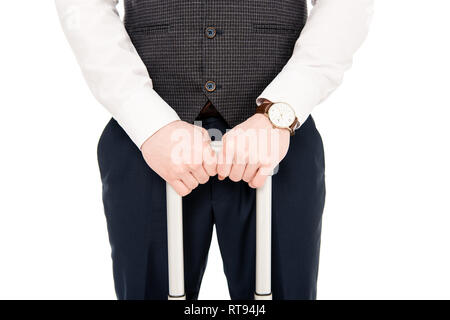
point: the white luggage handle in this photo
(263, 290)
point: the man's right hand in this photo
(181, 154)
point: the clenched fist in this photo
(181, 154)
(251, 150)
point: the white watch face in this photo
(282, 115)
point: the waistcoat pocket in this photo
(274, 28)
(149, 29)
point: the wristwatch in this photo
(281, 114)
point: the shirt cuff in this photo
(298, 92)
(144, 114)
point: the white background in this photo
(386, 230)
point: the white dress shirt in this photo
(119, 79)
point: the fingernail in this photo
(220, 177)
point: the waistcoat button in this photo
(210, 32)
(210, 86)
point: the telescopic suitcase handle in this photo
(263, 289)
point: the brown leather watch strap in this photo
(293, 126)
(264, 107)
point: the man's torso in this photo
(226, 52)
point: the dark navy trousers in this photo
(135, 208)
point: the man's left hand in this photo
(251, 150)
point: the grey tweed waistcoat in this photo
(223, 51)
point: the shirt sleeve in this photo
(112, 68)
(324, 51)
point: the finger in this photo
(209, 160)
(240, 162)
(205, 135)
(250, 172)
(189, 180)
(236, 172)
(180, 188)
(260, 178)
(200, 174)
(225, 159)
